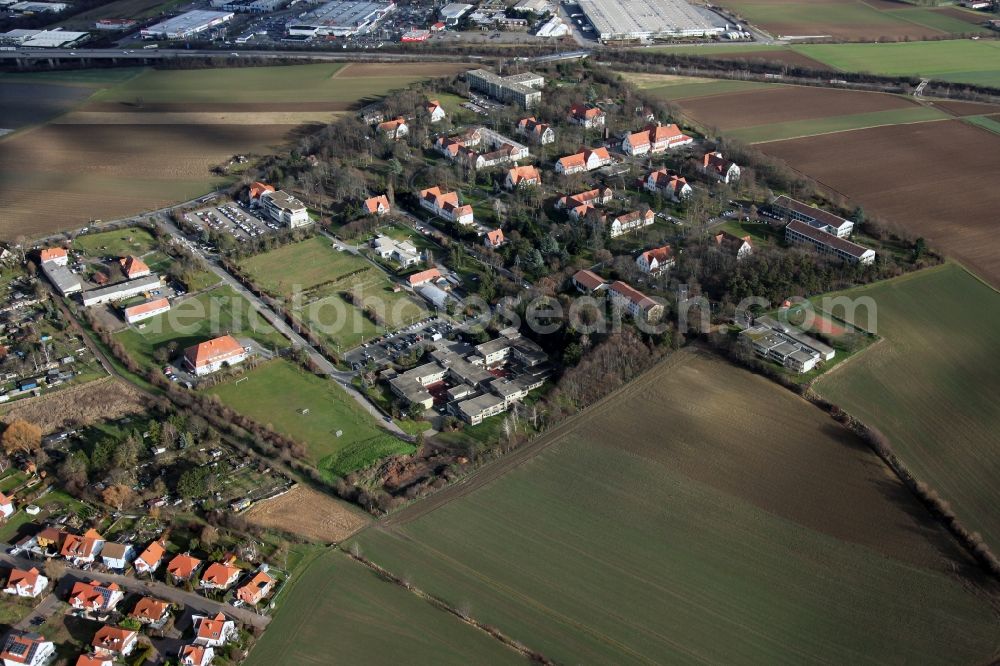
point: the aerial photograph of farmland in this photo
(508, 331)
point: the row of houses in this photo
(621, 295)
(446, 205)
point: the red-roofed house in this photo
(587, 282)
(256, 589)
(133, 267)
(423, 277)
(26, 583)
(630, 222)
(115, 640)
(219, 576)
(494, 238)
(522, 176)
(717, 166)
(633, 301)
(182, 567)
(257, 189)
(57, 255)
(213, 631)
(740, 246)
(378, 205)
(540, 133)
(196, 655)
(212, 355)
(95, 596)
(435, 110)
(578, 205)
(146, 310)
(668, 183)
(587, 116)
(6, 506)
(655, 261)
(24, 648)
(446, 205)
(81, 549)
(394, 129)
(94, 660)
(654, 139)
(150, 610)
(585, 160)
(150, 559)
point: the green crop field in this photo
(118, 243)
(198, 318)
(812, 127)
(931, 387)
(340, 612)
(992, 123)
(701, 514)
(311, 410)
(322, 275)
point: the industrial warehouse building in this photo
(186, 25)
(340, 18)
(630, 20)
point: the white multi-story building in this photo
(285, 209)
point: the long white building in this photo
(616, 20)
(186, 25)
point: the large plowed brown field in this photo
(936, 180)
(786, 104)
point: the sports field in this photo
(932, 386)
(311, 410)
(116, 243)
(122, 142)
(324, 278)
(702, 514)
(340, 612)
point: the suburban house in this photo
(26, 648)
(585, 160)
(402, 252)
(587, 116)
(6, 506)
(655, 261)
(630, 222)
(654, 139)
(28, 583)
(668, 183)
(56, 255)
(540, 133)
(196, 655)
(491, 148)
(637, 304)
(151, 558)
(213, 631)
(52, 537)
(378, 205)
(738, 246)
(826, 243)
(578, 205)
(522, 176)
(94, 660)
(219, 576)
(394, 129)
(446, 205)
(717, 166)
(95, 596)
(212, 355)
(150, 610)
(285, 209)
(435, 111)
(256, 589)
(588, 282)
(183, 567)
(133, 267)
(256, 190)
(115, 640)
(786, 207)
(137, 313)
(117, 556)
(493, 238)
(82, 548)
(423, 277)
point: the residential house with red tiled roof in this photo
(26, 648)
(115, 640)
(637, 304)
(219, 576)
(213, 631)
(655, 261)
(52, 537)
(196, 655)
(588, 282)
(423, 277)
(446, 205)
(182, 567)
(435, 111)
(395, 128)
(257, 189)
(522, 176)
(82, 548)
(151, 558)
(587, 116)
(26, 583)
(654, 139)
(494, 238)
(6, 506)
(95, 660)
(738, 246)
(585, 160)
(578, 205)
(256, 589)
(57, 255)
(212, 355)
(146, 310)
(150, 611)
(717, 166)
(537, 132)
(378, 205)
(95, 596)
(668, 183)
(133, 267)
(637, 219)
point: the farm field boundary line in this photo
(494, 470)
(735, 134)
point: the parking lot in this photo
(232, 218)
(388, 348)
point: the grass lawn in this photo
(992, 123)
(323, 275)
(198, 318)
(729, 534)
(930, 385)
(759, 233)
(803, 128)
(118, 243)
(340, 607)
(278, 392)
